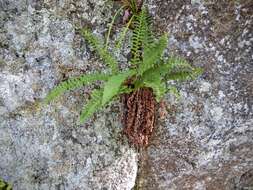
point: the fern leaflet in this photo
(153, 54)
(102, 52)
(158, 87)
(154, 80)
(93, 105)
(141, 36)
(179, 69)
(181, 75)
(177, 63)
(173, 65)
(74, 83)
(112, 86)
(123, 34)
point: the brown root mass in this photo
(139, 116)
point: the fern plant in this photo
(148, 74)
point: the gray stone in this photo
(44, 147)
(205, 141)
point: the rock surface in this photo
(205, 140)
(44, 147)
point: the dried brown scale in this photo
(139, 116)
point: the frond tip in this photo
(92, 106)
(74, 83)
(153, 54)
(101, 50)
(142, 36)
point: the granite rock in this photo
(205, 140)
(44, 146)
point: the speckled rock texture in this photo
(42, 147)
(205, 140)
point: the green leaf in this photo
(180, 76)
(122, 35)
(142, 36)
(183, 74)
(153, 54)
(197, 72)
(111, 24)
(174, 69)
(74, 83)
(112, 86)
(158, 87)
(125, 90)
(154, 81)
(175, 64)
(102, 52)
(93, 105)
(152, 74)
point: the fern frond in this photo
(142, 36)
(153, 54)
(74, 83)
(196, 72)
(181, 75)
(94, 104)
(101, 97)
(180, 69)
(102, 52)
(123, 34)
(125, 90)
(158, 87)
(177, 62)
(154, 81)
(113, 85)
(111, 24)
(172, 65)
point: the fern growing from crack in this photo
(148, 68)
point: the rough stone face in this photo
(44, 147)
(205, 141)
